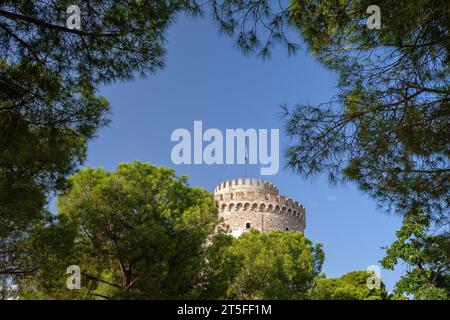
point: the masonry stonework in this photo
(246, 204)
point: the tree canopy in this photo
(139, 232)
(49, 107)
(351, 286)
(427, 256)
(388, 127)
(275, 265)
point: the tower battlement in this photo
(247, 183)
(254, 203)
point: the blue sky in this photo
(208, 79)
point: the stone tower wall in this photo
(257, 203)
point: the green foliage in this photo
(258, 25)
(38, 149)
(432, 293)
(117, 38)
(49, 106)
(387, 128)
(351, 286)
(139, 232)
(277, 265)
(428, 258)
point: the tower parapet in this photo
(253, 203)
(240, 183)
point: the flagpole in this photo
(246, 157)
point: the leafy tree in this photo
(36, 154)
(275, 265)
(426, 255)
(139, 232)
(117, 39)
(431, 293)
(49, 106)
(351, 286)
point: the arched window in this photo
(247, 225)
(287, 229)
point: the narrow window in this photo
(247, 225)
